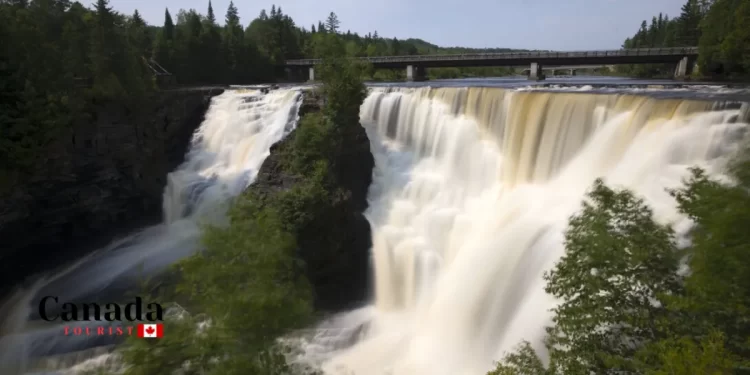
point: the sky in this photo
(563, 25)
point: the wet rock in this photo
(336, 247)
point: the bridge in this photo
(415, 65)
(571, 69)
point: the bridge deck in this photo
(622, 56)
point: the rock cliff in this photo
(336, 244)
(101, 178)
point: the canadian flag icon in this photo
(150, 330)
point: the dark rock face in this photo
(103, 178)
(336, 247)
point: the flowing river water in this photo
(473, 184)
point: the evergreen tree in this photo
(689, 24)
(233, 37)
(140, 38)
(168, 25)
(395, 47)
(332, 23)
(211, 17)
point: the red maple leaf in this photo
(150, 330)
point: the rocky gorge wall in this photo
(100, 179)
(335, 243)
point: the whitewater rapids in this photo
(471, 194)
(226, 153)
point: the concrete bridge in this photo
(415, 65)
(571, 70)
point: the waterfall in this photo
(471, 194)
(226, 153)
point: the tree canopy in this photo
(720, 28)
(626, 310)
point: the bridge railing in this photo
(672, 51)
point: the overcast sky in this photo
(531, 24)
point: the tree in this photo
(233, 37)
(163, 51)
(617, 262)
(688, 31)
(140, 38)
(395, 47)
(168, 25)
(211, 18)
(332, 23)
(718, 295)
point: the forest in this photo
(720, 28)
(60, 59)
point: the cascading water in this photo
(471, 195)
(224, 158)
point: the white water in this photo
(227, 151)
(471, 194)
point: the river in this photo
(473, 184)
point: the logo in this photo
(114, 314)
(150, 330)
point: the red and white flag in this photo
(150, 330)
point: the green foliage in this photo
(250, 285)
(95, 55)
(343, 87)
(524, 361)
(617, 261)
(683, 356)
(718, 292)
(720, 28)
(625, 310)
(105, 56)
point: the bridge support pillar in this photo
(535, 72)
(684, 68)
(415, 73)
(311, 75)
(572, 72)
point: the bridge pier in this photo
(684, 68)
(535, 72)
(572, 72)
(311, 76)
(415, 73)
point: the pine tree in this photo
(689, 23)
(233, 36)
(106, 52)
(332, 23)
(395, 47)
(312, 29)
(163, 48)
(139, 36)
(211, 17)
